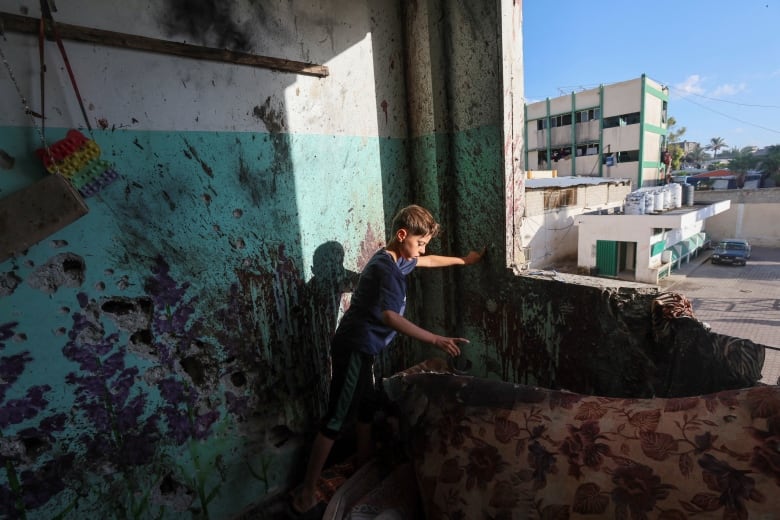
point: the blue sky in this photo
(720, 59)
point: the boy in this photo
(373, 318)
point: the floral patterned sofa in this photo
(489, 449)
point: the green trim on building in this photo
(548, 133)
(525, 137)
(657, 248)
(573, 133)
(642, 107)
(656, 93)
(655, 129)
(651, 164)
(601, 130)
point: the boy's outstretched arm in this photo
(404, 326)
(445, 261)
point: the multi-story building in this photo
(686, 146)
(616, 130)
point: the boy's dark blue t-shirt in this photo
(382, 286)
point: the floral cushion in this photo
(395, 497)
(490, 449)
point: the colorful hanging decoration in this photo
(77, 158)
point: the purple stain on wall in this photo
(172, 317)
(6, 333)
(107, 398)
(33, 475)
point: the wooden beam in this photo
(26, 24)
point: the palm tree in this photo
(716, 143)
(696, 155)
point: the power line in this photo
(724, 100)
(732, 117)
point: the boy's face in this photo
(412, 246)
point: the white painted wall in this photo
(622, 138)
(587, 99)
(639, 229)
(622, 98)
(653, 110)
(150, 91)
(552, 234)
(753, 215)
(560, 105)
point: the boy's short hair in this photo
(416, 220)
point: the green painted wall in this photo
(168, 349)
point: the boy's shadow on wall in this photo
(326, 297)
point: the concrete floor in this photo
(743, 302)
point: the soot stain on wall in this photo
(192, 153)
(272, 117)
(209, 23)
(275, 124)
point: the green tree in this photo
(677, 156)
(673, 136)
(696, 155)
(716, 144)
(741, 162)
(770, 163)
(673, 132)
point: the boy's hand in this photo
(449, 345)
(473, 257)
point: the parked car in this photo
(731, 251)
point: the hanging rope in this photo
(26, 105)
(47, 16)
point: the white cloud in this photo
(691, 85)
(728, 90)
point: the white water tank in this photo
(649, 202)
(635, 203)
(676, 194)
(667, 191)
(658, 200)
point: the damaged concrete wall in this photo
(167, 353)
(557, 331)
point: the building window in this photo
(620, 157)
(560, 198)
(560, 120)
(561, 153)
(621, 120)
(541, 124)
(541, 159)
(583, 116)
(587, 149)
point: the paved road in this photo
(742, 302)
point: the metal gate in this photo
(607, 257)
